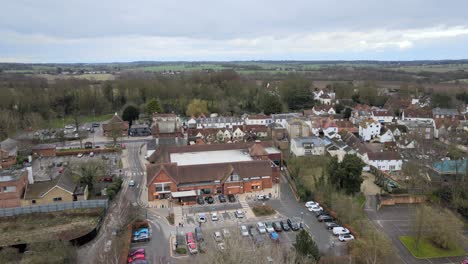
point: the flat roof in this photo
(272, 150)
(210, 157)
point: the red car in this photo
(136, 257)
(107, 179)
(137, 251)
(190, 238)
(61, 169)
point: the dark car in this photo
(331, 225)
(107, 179)
(231, 198)
(293, 224)
(277, 227)
(222, 198)
(95, 124)
(319, 213)
(209, 199)
(285, 225)
(325, 218)
(200, 200)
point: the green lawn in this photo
(59, 122)
(428, 250)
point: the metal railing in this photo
(55, 207)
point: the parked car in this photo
(200, 200)
(214, 217)
(217, 236)
(141, 237)
(201, 218)
(315, 208)
(331, 225)
(231, 198)
(277, 227)
(226, 233)
(91, 154)
(285, 225)
(269, 227)
(131, 183)
(293, 224)
(325, 218)
(274, 236)
(340, 231)
(261, 228)
(310, 203)
(262, 197)
(198, 233)
(61, 170)
(346, 237)
(209, 199)
(95, 124)
(222, 198)
(319, 213)
(244, 231)
(137, 251)
(80, 155)
(136, 257)
(221, 246)
(107, 179)
(239, 213)
(192, 248)
(189, 237)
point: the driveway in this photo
(395, 221)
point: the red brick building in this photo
(115, 126)
(213, 169)
(8, 152)
(12, 186)
(44, 150)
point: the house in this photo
(12, 186)
(339, 149)
(282, 119)
(44, 150)
(387, 136)
(369, 129)
(346, 125)
(166, 126)
(356, 144)
(258, 120)
(445, 126)
(215, 122)
(445, 113)
(8, 152)
(139, 130)
(321, 110)
(115, 127)
(416, 114)
(298, 127)
(258, 131)
(382, 115)
(60, 189)
(324, 96)
(306, 146)
(360, 113)
(199, 170)
(385, 160)
(423, 129)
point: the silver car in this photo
(244, 231)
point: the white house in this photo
(387, 136)
(258, 120)
(215, 122)
(339, 149)
(321, 110)
(369, 129)
(385, 160)
(324, 96)
(238, 133)
(306, 146)
(382, 116)
(282, 119)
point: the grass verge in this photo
(263, 210)
(428, 250)
(59, 122)
(170, 219)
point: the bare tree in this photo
(373, 247)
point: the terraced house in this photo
(200, 170)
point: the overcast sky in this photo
(115, 30)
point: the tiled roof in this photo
(445, 111)
(384, 155)
(259, 117)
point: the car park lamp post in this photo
(302, 217)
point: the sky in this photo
(216, 30)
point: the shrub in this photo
(181, 250)
(263, 210)
(170, 218)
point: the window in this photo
(57, 199)
(163, 187)
(219, 190)
(9, 188)
(234, 177)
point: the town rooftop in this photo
(210, 157)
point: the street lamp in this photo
(302, 217)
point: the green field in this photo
(428, 250)
(60, 123)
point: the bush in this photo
(263, 210)
(170, 218)
(181, 250)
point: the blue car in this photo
(274, 236)
(141, 231)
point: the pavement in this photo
(395, 221)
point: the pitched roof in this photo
(324, 108)
(351, 140)
(346, 125)
(259, 117)
(445, 111)
(381, 112)
(384, 155)
(446, 122)
(39, 189)
(9, 145)
(417, 113)
(115, 119)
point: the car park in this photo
(315, 208)
(269, 227)
(340, 231)
(214, 216)
(331, 225)
(198, 234)
(277, 227)
(346, 237)
(244, 231)
(200, 200)
(253, 231)
(285, 225)
(222, 198)
(201, 218)
(231, 198)
(293, 224)
(325, 218)
(310, 203)
(239, 213)
(217, 236)
(261, 228)
(258, 240)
